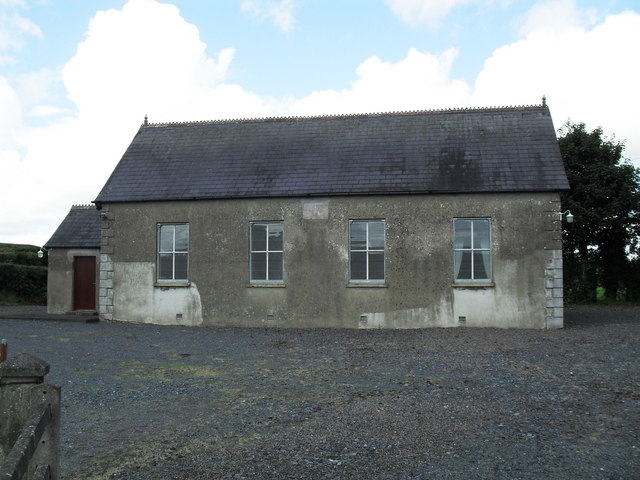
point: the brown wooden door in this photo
(84, 283)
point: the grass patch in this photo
(602, 300)
(191, 371)
(244, 439)
(144, 371)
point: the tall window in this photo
(366, 250)
(173, 252)
(472, 249)
(267, 257)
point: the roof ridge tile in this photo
(343, 116)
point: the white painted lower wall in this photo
(137, 299)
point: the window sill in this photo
(172, 284)
(266, 285)
(473, 285)
(367, 285)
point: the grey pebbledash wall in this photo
(419, 291)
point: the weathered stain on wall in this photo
(439, 315)
(478, 308)
(167, 305)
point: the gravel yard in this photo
(150, 402)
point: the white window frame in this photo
(472, 250)
(268, 251)
(173, 252)
(369, 251)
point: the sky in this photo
(77, 77)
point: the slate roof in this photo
(472, 150)
(79, 229)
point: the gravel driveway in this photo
(151, 402)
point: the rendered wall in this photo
(419, 289)
(60, 277)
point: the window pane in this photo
(182, 238)
(165, 266)
(182, 266)
(275, 266)
(481, 265)
(358, 235)
(481, 234)
(376, 235)
(166, 238)
(258, 237)
(376, 265)
(358, 265)
(258, 266)
(462, 234)
(275, 236)
(462, 261)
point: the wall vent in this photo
(364, 320)
(462, 320)
(271, 317)
(178, 316)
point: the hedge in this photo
(28, 283)
(21, 254)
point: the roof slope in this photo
(484, 150)
(79, 229)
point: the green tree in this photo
(605, 201)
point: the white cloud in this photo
(588, 75)
(142, 59)
(146, 59)
(281, 13)
(36, 87)
(11, 114)
(129, 66)
(419, 12)
(419, 81)
(14, 28)
(555, 16)
(46, 111)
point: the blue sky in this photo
(78, 76)
(327, 39)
